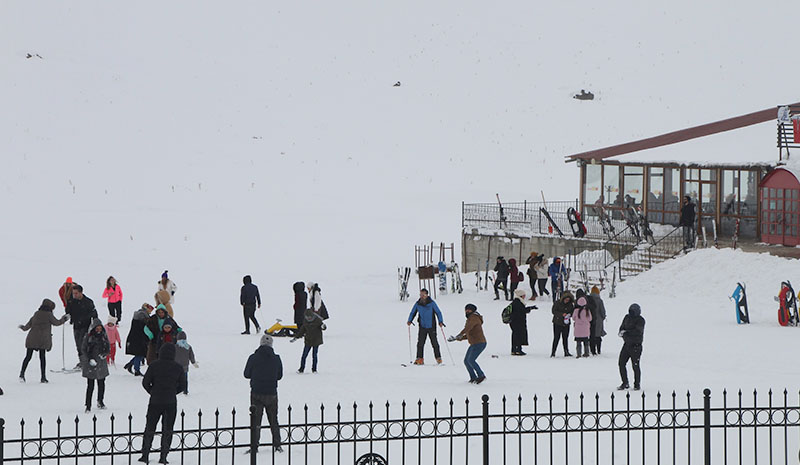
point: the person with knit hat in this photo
(114, 340)
(473, 333)
(184, 355)
(40, 337)
(137, 341)
(597, 330)
(167, 285)
(94, 349)
(632, 332)
(562, 315)
(264, 369)
(502, 270)
(65, 291)
(153, 328)
(519, 322)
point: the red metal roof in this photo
(679, 136)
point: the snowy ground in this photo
(218, 140)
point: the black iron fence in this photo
(623, 428)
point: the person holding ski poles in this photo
(556, 273)
(427, 312)
(502, 277)
(473, 333)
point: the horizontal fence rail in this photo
(623, 428)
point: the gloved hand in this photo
(324, 327)
(92, 363)
(451, 339)
(196, 365)
(622, 333)
(22, 327)
(292, 339)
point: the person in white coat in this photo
(166, 284)
(315, 298)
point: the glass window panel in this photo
(613, 196)
(730, 190)
(693, 174)
(592, 189)
(780, 193)
(772, 192)
(634, 170)
(634, 184)
(748, 191)
(655, 196)
(672, 189)
(692, 189)
(708, 175)
(709, 201)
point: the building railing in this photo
(621, 428)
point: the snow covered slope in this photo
(217, 140)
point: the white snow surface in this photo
(219, 139)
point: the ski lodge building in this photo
(753, 186)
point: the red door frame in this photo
(780, 208)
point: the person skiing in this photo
(473, 333)
(40, 337)
(632, 332)
(300, 302)
(113, 293)
(311, 331)
(502, 278)
(94, 349)
(583, 318)
(163, 380)
(556, 272)
(184, 355)
(65, 291)
(81, 311)
(114, 340)
(249, 298)
(562, 312)
(264, 369)
(136, 342)
(688, 222)
(597, 330)
(427, 312)
(519, 322)
(315, 296)
(542, 267)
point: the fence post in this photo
(2, 439)
(253, 434)
(707, 424)
(485, 416)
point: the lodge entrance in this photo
(779, 216)
(701, 186)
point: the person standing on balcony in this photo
(632, 332)
(501, 268)
(688, 216)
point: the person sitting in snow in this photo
(427, 312)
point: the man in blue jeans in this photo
(428, 313)
(473, 333)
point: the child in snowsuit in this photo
(312, 331)
(184, 354)
(114, 340)
(168, 334)
(583, 318)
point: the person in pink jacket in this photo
(113, 293)
(114, 340)
(582, 317)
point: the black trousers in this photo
(560, 332)
(542, 286)
(42, 362)
(632, 352)
(513, 287)
(79, 333)
(428, 333)
(497, 284)
(166, 413)
(115, 310)
(101, 390)
(250, 314)
(532, 282)
(595, 344)
(269, 403)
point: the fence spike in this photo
(58, 420)
(216, 412)
(550, 397)
(519, 398)
(387, 404)
(535, 397)
(658, 395)
(370, 405)
(130, 415)
(504, 398)
(41, 422)
(581, 396)
(612, 397)
(112, 417)
(233, 411)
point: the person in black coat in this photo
(502, 277)
(81, 311)
(519, 322)
(562, 314)
(632, 332)
(688, 216)
(264, 369)
(136, 342)
(300, 302)
(163, 381)
(249, 298)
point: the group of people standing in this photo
(539, 272)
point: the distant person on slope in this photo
(114, 340)
(562, 313)
(473, 333)
(311, 331)
(531, 262)
(81, 312)
(65, 291)
(184, 355)
(113, 293)
(688, 222)
(519, 322)
(501, 268)
(166, 293)
(300, 302)
(40, 337)
(541, 266)
(264, 369)
(556, 272)
(598, 319)
(427, 312)
(249, 299)
(632, 332)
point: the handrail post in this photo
(485, 418)
(707, 425)
(2, 439)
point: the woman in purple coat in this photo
(582, 317)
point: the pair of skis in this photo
(605, 221)
(739, 298)
(403, 275)
(787, 312)
(576, 222)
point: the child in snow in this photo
(473, 333)
(583, 318)
(168, 334)
(114, 340)
(312, 331)
(184, 354)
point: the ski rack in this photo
(426, 267)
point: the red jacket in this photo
(512, 263)
(113, 295)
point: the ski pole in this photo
(448, 347)
(410, 353)
(63, 363)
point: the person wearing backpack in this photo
(518, 320)
(473, 333)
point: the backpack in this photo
(506, 315)
(521, 277)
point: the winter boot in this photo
(163, 459)
(438, 361)
(419, 361)
(480, 379)
(636, 387)
(245, 332)
(44, 380)
(144, 459)
(88, 409)
(101, 405)
(22, 377)
(622, 387)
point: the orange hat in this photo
(69, 279)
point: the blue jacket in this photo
(426, 313)
(554, 269)
(264, 369)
